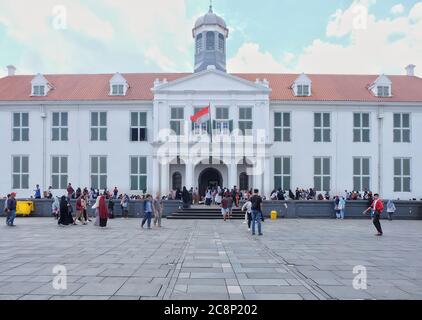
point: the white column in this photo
(267, 178)
(155, 176)
(232, 174)
(257, 182)
(189, 175)
(165, 188)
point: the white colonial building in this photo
(133, 131)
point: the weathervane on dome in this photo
(210, 6)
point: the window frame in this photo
(38, 90)
(60, 127)
(179, 122)
(60, 173)
(322, 128)
(361, 176)
(401, 129)
(402, 176)
(244, 123)
(21, 128)
(138, 174)
(283, 127)
(138, 126)
(98, 127)
(20, 173)
(208, 42)
(282, 175)
(361, 128)
(222, 123)
(322, 175)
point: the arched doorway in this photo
(177, 181)
(209, 177)
(243, 181)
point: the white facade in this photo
(300, 135)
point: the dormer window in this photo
(118, 85)
(383, 91)
(40, 86)
(38, 90)
(302, 87)
(303, 90)
(118, 90)
(381, 87)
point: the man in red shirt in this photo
(377, 206)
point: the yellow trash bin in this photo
(24, 208)
(273, 215)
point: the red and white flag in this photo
(201, 116)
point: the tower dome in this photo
(210, 33)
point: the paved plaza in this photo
(295, 259)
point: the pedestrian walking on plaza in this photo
(65, 216)
(336, 207)
(84, 203)
(70, 191)
(224, 206)
(79, 211)
(257, 217)
(208, 197)
(102, 211)
(342, 207)
(115, 192)
(186, 198)
(230, 203)
(55, 208)
(147, 212)
(248, 215)
(37, 191)
(5, 207)
(111, 207)
(158, 206)
(124, 203)
(377, 207)
(11, 210)
(391, 209)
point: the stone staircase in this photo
(204, 213)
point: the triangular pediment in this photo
(211, 80)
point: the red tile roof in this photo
(89, 87)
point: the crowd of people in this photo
(100, 205)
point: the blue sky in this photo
(98, 36)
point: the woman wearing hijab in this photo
(65, 217)
(185, 198)
(103, 211)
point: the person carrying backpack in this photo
(377, 207)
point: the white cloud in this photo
(384, 46)
(397, 9)
(249, 58)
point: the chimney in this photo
(410, 70)
(11, 70)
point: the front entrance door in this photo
(209, 178)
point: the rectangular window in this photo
(383, 91)
(282, 173)
(38, 90)
(303, 90)
(99, 172)
(361, 129)
(98, 126)
(282, 127)
(199, 128)
(245, 121)
(59, 175)
(322, 127)
(20, 172)
(402, 176)
(177, 120)
(59, 128)
(361, 174)
(222, 123)
(322, 174)
(138, 126)
(401, 130)
(20, 126)
(117, 89)
(138, 173)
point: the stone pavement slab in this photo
(206, 260)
